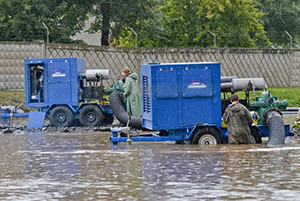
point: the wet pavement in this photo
(85, 166)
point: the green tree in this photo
(22, 19)
(117, 17)
(235, 23)
(281, 16)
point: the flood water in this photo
(85, 166)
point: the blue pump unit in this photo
(178, 95)
(63, 90)
(48, 80)
(182, 102)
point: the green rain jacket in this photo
(118, 86)
(133, 96)
(238, 119)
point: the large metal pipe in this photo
(276, 128)
(94, 74)
(227, 79)
(234, 84)
(117, 106)
(226, 83)
(247, 84)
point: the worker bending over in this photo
(238, 119)
(118, 86)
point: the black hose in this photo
(276, 129)
(117, 106)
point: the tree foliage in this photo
(281, 16)
(235, 23)
(155, 23)
(116, 16)
(21, 20)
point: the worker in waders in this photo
(238, 119)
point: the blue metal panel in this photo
(178, 95)
(61, 81)
(59, 77)
(166, 114)
(35, 120)
(197, 82)
(174, 135)
(147, 91)
(166, 83)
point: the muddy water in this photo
(85, 166)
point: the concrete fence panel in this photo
(279, 67)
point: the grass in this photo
(291, 94)
(13, 98)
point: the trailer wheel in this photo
(207, 136)
(91, 115)
(61, 116)
(256, 135)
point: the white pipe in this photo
(290, 38)
(135, 36)
(215, 40)
(47, 31)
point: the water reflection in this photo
(179, 172)
(85, 166)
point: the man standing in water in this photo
(238, 119)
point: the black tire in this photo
(109, 119)
(207, 136)
(256, 135)
(61, 116)
(91, 115)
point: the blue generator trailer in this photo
(182, 102)
(64, 91)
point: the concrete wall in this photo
(279, 67)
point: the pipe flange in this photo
(278, 112)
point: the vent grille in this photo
(146, 95)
